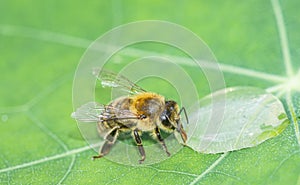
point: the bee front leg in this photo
(140, 145)
(110, 140)
(161, 140)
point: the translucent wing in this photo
(89, 112)
(110, 79)
(94, 112)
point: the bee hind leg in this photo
(110, 140)
(161, 140)
(138, 141)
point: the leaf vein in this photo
(172, 171)
(293, 115)
(209, 169)
(283, 37)
(120, 176)
(44, 93)
(50, 158)
(56, 139)
(231, 176)
(282, 162)
(11, 30)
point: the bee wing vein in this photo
(94, 112)
(110, 79)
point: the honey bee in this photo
(139, 112)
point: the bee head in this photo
(170, 118)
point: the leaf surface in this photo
(256, 43)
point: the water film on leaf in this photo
(234, 118)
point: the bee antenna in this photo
(185, 114)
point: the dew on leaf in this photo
(234, 118)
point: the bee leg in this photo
(161, 140)
(182, 133)
(140, 145)
(110, 140)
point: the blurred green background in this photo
(41, 43)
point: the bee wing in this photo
(110, 79)
(89, 112)
(94, 112)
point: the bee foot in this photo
(96, 157)
(142, 160)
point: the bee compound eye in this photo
(163, 118)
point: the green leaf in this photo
(41, 42)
